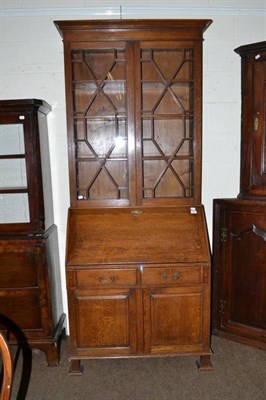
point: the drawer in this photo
(104, 277)
(171, 275)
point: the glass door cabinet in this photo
(25, 206)
(30, 288)
(134, 118)
(137, 259)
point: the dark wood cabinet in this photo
(25, 182)
(137, 260)
(239, 245)
(253, 132)
(30, 288)
(239, 271)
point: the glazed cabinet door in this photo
(167, 108)
(103, 321)
(176, 319)
(98, 123)
(16, 169)
(134, 123)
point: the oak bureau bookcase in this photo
(137, 259)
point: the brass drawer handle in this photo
(106, 282)
(175, 277)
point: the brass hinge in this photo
(222, 306)
(223, 236)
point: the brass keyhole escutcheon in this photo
(136, 212)
(256, 122)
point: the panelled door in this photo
(242, 306)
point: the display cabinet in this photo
(30, 288)
(25, 180)
(239, 243)
(137, 258)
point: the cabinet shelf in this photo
(167, 158)
(106, 118)
(11, 156)
(14, 190)
(162, 83)
(148, 115)
(97, 83)
(92, 159)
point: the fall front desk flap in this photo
(136, 235)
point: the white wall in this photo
(31, 66)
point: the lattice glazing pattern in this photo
(99, 104)
(167, 122)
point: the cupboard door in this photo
(25, 290)
(175, 319)
(253, 128)
(243, 310)
(103, 321)
(258, 138)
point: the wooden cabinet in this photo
(137, 260)
(134, 113)
(135, 286)
(31, 304)
(239, 271)
(25, 181)
(253, 132)
(239, 248)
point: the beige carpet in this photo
(239, 374)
